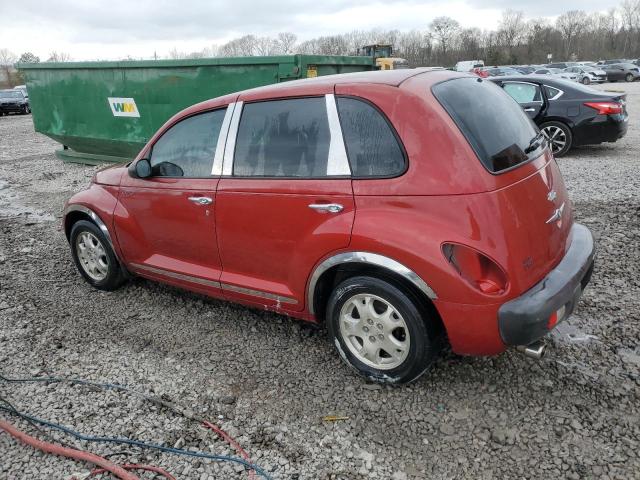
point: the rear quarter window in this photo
(494, 124)
(372, 145)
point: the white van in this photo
(468, 65)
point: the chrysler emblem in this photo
(557, 216)
(551, 196)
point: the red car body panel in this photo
(259, 243)
(271, 238)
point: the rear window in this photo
(494, 124)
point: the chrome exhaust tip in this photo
(535, 350)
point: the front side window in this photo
(494, 125)
(523, 92)
(283, 138)
(372, 146)
(187, 148)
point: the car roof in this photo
(380, 77)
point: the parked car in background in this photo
(611, 62)
(469, 65)
(627, 72)
(23, 89)
(13, 101)
(556, 72)
(525, 69)
(496, 258)
(500, 71)
(569, 114)
(588, 75)
(561, 65)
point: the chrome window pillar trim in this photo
(230, 144)
(338, 162)
(177, 276)
(557, 95)
(216, 169)
(371, 259)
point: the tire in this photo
(414, 336)
(629, 77)
(27, 110)
(98, 265)
(562, 139)
(586, 81)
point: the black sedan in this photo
(13, 101)
(569, 114)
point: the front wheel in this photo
(586, 81)
(629, 77)
(94, 257)
(559, 137)
(380, 332)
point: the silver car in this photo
(556, 72)
(588, 75)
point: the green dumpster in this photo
(107, 111)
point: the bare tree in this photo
(571, 24)
(239, 47)
(444, 30)
(265, 46)
(286, 42)
(7, 59)
(511, 31)
(56, 56)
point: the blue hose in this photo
(137, 443)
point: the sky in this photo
(116, 29)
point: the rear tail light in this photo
(476, 269)
(605, 108)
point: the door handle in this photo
(201, 200)
(326, 207)
(530, 109)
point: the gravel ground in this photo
(269, 380)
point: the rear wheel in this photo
(629, 77)
(586, 80)
(559, 137)
(93, 256)
(380, 332)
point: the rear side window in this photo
(283, 138)
(494, 124)
(372, 146)
(187, 149)
(523, 92)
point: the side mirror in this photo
(140, 169)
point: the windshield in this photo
(10, 94)
(494, 124)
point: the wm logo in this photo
(123, 107)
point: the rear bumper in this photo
(602, 128)
(524, 319)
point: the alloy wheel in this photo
(92, 255)
(556, 137)
(374, 331)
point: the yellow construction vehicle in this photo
(383, 56)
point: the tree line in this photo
(575, 34)
(518, 40)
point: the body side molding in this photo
(371, 259)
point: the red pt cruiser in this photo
(399, 208)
